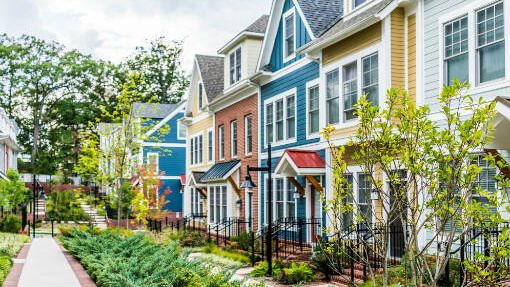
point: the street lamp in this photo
(249, 185)
(34, 183)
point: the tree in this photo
(13, 191)
(160, 67)
(425, 178)
(148, 202)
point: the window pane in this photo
(232, 68)
(457, 67)
(279, 198)
(346, 213)
(332, 105)
(279, 120)
(291, 118)
(358, 2)
(313, 109)
(218, 204)
(289, 35)
(291, 207)
(234, 137)
(224, 202)
(248, 132)
(209, 146)
(350, 90)
(269, 123)
(370, 72)
(492, 62)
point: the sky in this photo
(111, 29)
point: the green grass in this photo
(227, 253)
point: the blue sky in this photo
(111, 29)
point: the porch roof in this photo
(501, 122)
(194, 179)
(221, 171)
(183, 179)
(295, 162)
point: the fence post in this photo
(366, 259)
(252, 249)
(300, 230)
(351, 261)
(28, 221)
(217, 234)
(52, 227)
(486, 251)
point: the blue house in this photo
(165, 144)
(289, 111)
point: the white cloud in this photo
(111, 29)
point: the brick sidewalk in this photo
(79, 271)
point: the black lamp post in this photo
(249, 184)
(34, 183)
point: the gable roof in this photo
(220, 171)
(259, 26)
(343, 26)
(321, 14)
(155, 111)
(211, 72)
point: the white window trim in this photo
(283, 96)
(285, 201)
(228, 201)
(193, 136)
(153, 155)
(220, 135)
(200, 96)
(470, 11)
(246, 153)
(179, 123)
(234, 50)
(356, 57)
(355, 171)
(286, 58)
(210, 160)
(232, 139)
(309, 85)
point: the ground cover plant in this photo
(10, 245)
(227, 253)
(65, 206)
(115, 261)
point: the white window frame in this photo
(200, 95)
(283, 96)
(179, 126)
(355, 171)
(310, 85)
(150, 156)
(274, 203)
(246, 141)
(221, 142)
(237, 74)
(232, 138)
(355, 57)
(212, 190)
(211, 133)
(286, 58)
(470, 10)
(196, 138)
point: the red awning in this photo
(183, 179)
(300, 162)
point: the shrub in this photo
(245, 240)
(234, 238)
(261, 268)
(227, 253)
(296, 273)
(194, 239)
(11, 224)
(5, 267)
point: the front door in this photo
(398, 217)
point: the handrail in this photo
(465, 243)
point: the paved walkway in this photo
(46, 266)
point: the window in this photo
(279, 120)
(332, 105)
(347, 213)
(235, 66)
(364, 200)
(212, 204)
(289, 36)
(196, 149)
(153, 159)
(313, 109)
(291, 203)
(200, 95)
(221, 135)
(370, 78)
(196, 202)
(486, 179)
(356, 3)
(456, 50)
(224, 201)
(218, 203)
(279, 199)
(269, 123)
(291, 117)
(350, 90)
(248, 145)
(490, 42)
(233, 138)
(181, 130)
(210, 146)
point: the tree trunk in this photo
(35, 141)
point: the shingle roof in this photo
(155, 111)
(219, 170)
(211, 71)
(259, 26)
(342, 25)
(196, 176)
(321, 14)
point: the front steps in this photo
(97, 220)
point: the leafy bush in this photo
(245, 241)
(296, 273)
(116, 261)
(5, 267)
(194, 239)
(261, 268)
(10, 224)
(65, 206)
(234, 238)
(10, 245)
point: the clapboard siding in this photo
(302, 37)
(295, 79)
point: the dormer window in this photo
(357, 3)
(289, 31)
(235, 66)
(200, 96)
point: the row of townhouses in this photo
(288, 75)
(9, 147)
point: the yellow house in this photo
(372, 48)
(206, 84)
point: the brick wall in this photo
(238, 111)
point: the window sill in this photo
(289, 58)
